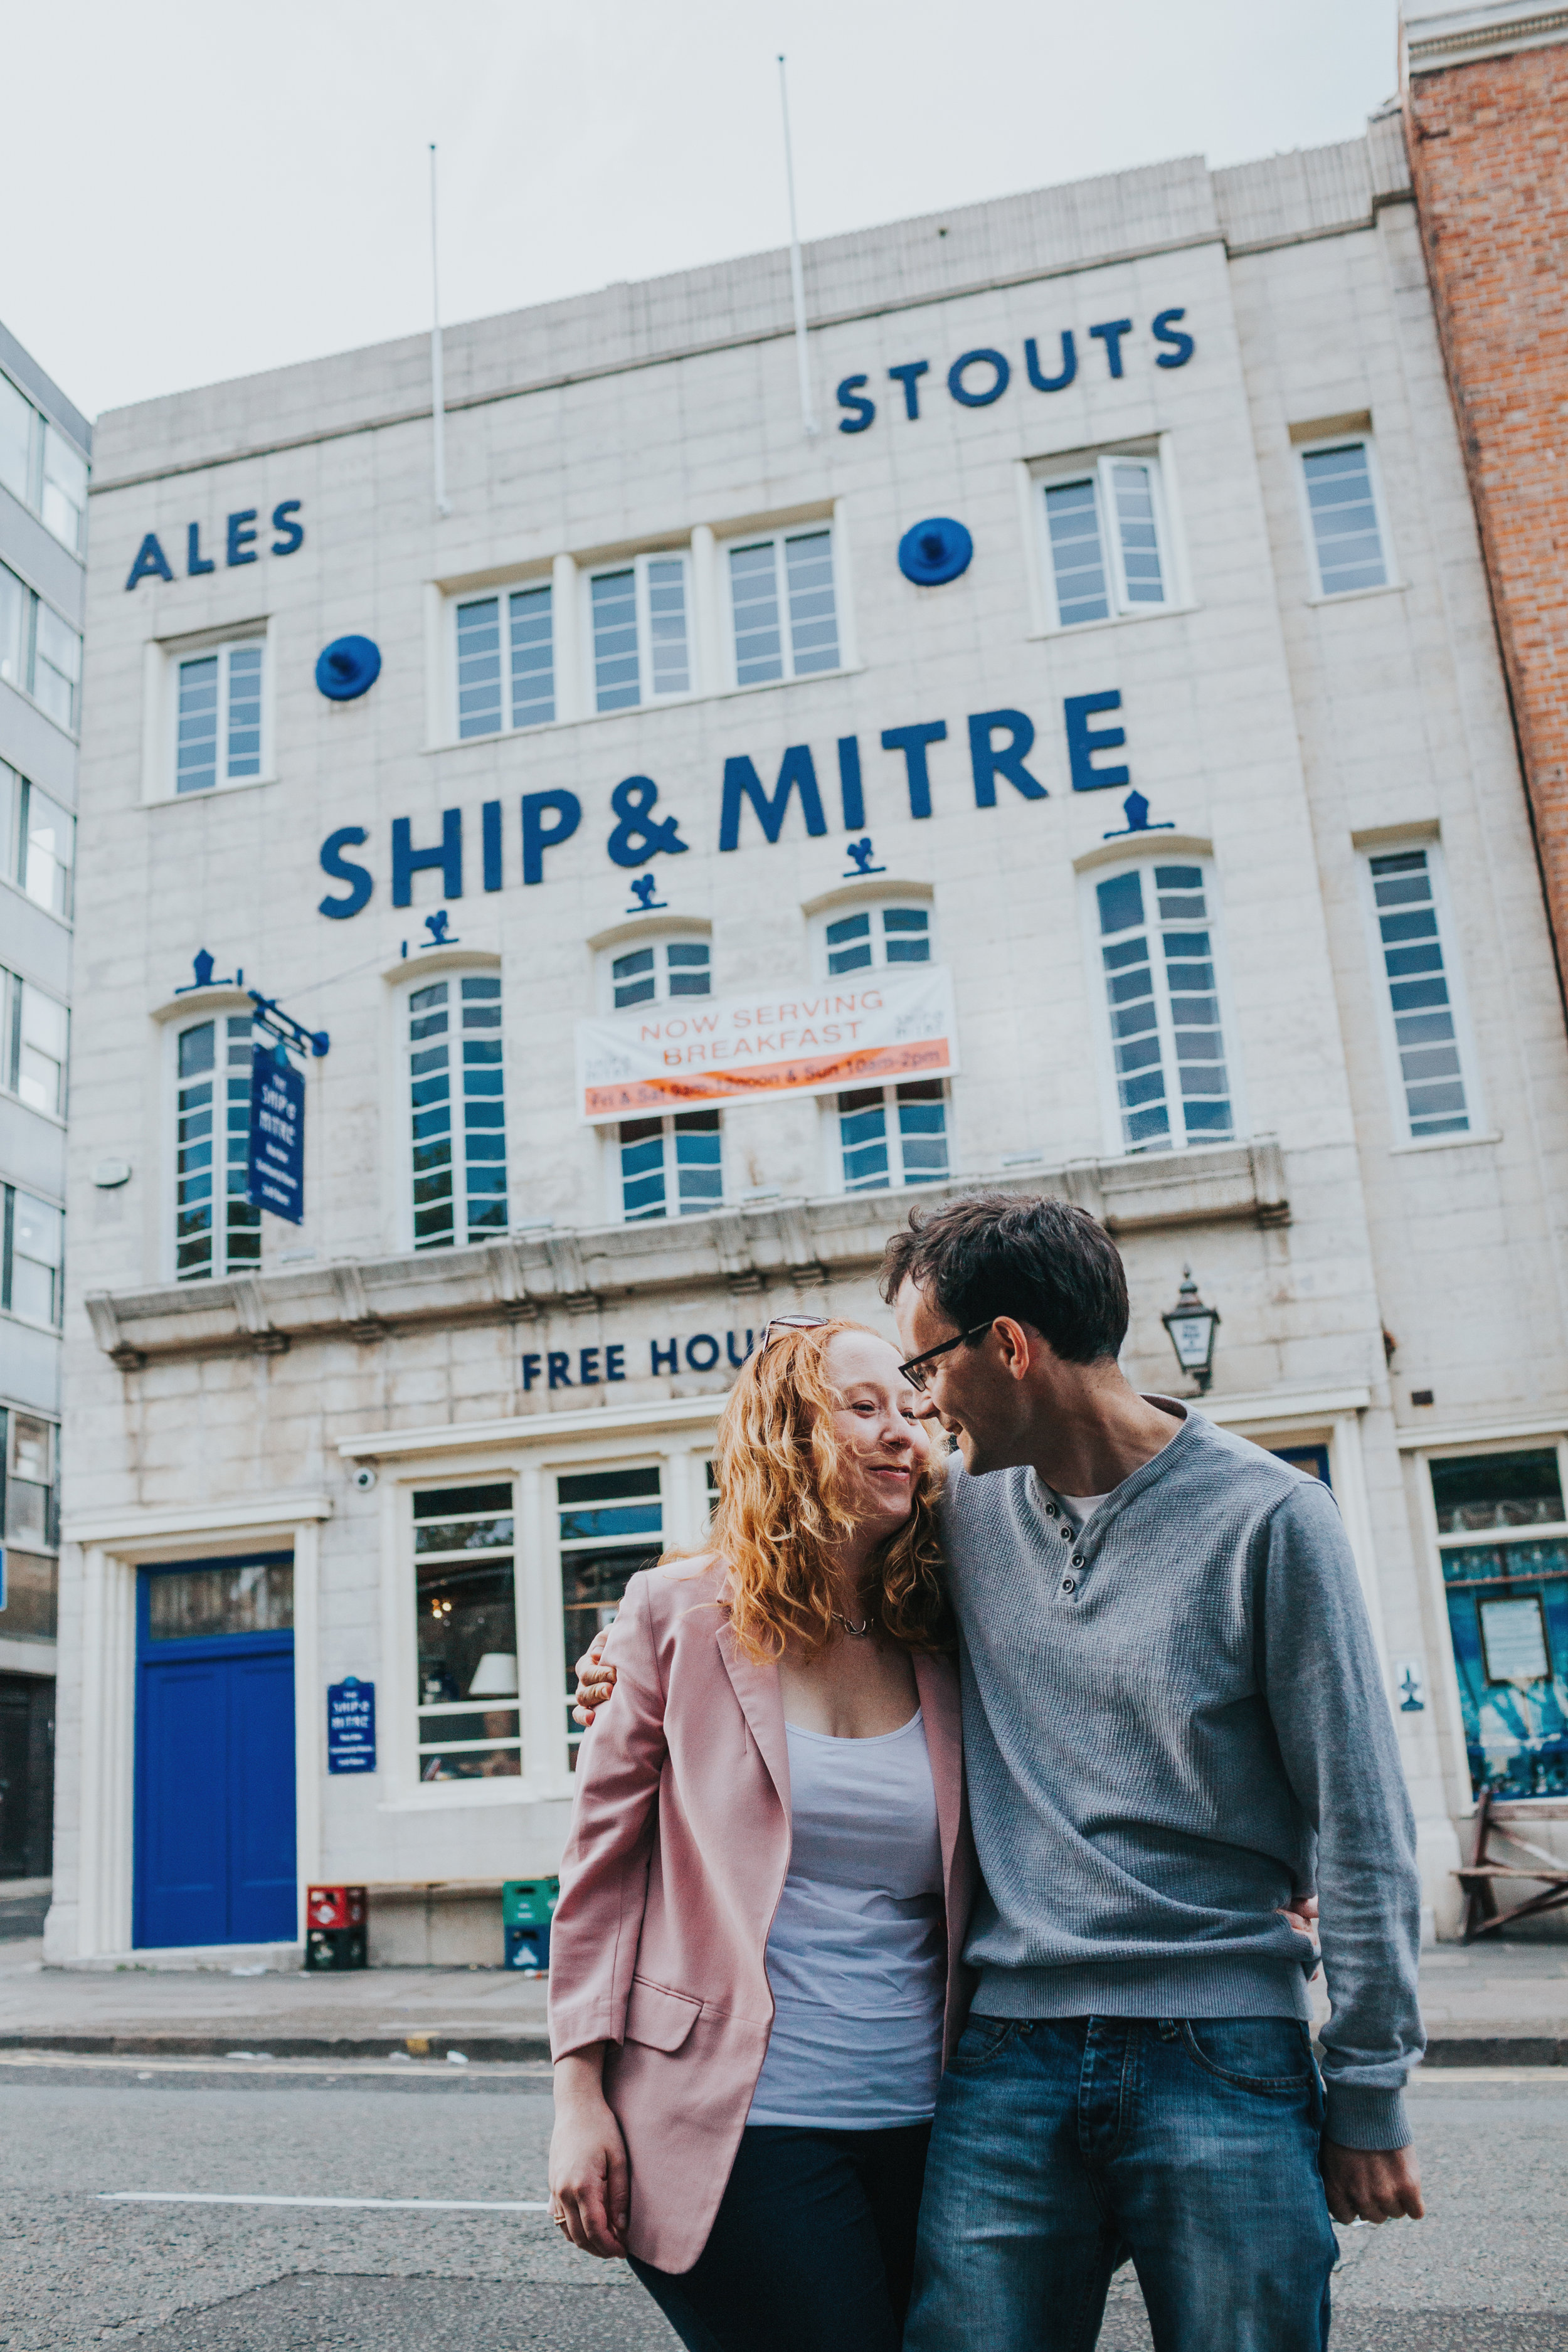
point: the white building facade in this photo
(1082, 764)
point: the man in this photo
(1174, 1724)
(1171, 1697)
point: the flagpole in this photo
(796, 273)
(437, 389)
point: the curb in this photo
(509, 2048)
(1499, 2050)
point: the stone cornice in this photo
(523, 1276)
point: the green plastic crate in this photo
(529, 1902)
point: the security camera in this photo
(365, 1479)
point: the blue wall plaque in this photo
(275, 1171)
(350, 1726)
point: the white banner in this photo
(868, 1029)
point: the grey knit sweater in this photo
(1173, 1720)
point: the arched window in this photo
(1157, 949)
(457, 1110)
(217, 1231)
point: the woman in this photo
(755, 1967)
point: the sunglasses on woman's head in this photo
(789, 1323)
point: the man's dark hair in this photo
(1043, 1262)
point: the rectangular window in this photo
(1104, 542)
(64, 502)
(892, 1135)
(638, 621)
(37, 1042)
(1432, 1090)
(671, 1166)
(45, 851)
(667, 968)
(465, 1600)
(20, 426)
(40, 653)
(611, 1523)
(781, 606)
(1157, 956)
(218, 720)
(876, 936)
(1501, 1543)
(32, 1260)
(29, 1525)
(216, 1230)
(1342, 503)
(458, 1106)
(510, 683)
(42, 467)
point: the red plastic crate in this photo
(334, 1907)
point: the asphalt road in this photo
(83, 2262)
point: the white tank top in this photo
(858, 1954)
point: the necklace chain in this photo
(859, 1631)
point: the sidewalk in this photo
(1491, 2004)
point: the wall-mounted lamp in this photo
(1192, 1326)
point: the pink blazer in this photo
(680, 1845)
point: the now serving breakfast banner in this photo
(871, 1029)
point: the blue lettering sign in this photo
(239, 542)
(343, 869)
(350, 1726)
(274, 1166)
(971, 391)
(1084, 741)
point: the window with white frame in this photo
(782, 609)
(30, 1523)
(505, 659)
(611, 1523)
(671, 1166)
(32, 1257)
(457, 1111)
(216, 1230)
(1347, 532)
(657, 969)
(1433, 1095)
(867, 938)
(889, 1137)
(1105, 537)
(465, 1606)
(42, 467)
(40, 653)
(638, 632)
(1157, 954)
(35, 1035)
(37, 842)
(218, 716)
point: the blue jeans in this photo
(1064, 2145)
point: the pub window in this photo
(783, 610)
(218, 716)
(457, 1110)
(611, 1523)
(1502, 1538)
(638, 632)
(1346, 530)
(32, 1257)
(30, 1521)
(465, 1600)
(671, 1166)
(1433, 1088)
(216, 1230)
(892, 1135)
(1156, 946)
(1106, 538)
(505, 659)
(867, 938)
(657, 969)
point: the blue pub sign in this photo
(350, 1726)
(275, 1173)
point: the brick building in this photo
(1486, 100)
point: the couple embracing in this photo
(880, 2017)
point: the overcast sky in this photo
(194, 189)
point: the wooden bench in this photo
(1494, 1818)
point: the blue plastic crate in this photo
(528, 1949)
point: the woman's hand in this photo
(596, 1681)
(588, 2175)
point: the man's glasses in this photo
(914, 1372)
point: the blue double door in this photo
(215, 1822)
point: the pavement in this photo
(1486, 2004)
(196, 2205)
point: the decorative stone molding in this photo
(748, 1247)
